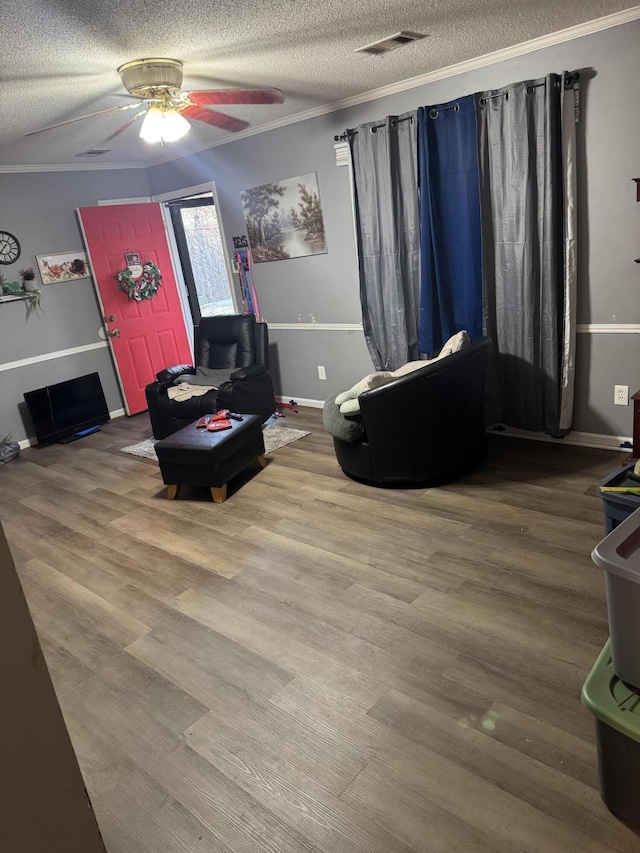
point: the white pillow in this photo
(350, 407)
(373, 380)
(409, 367)
(348, 400)
(454, 344)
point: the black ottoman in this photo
(197, 457)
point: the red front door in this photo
(146, 336)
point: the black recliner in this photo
(237, 348)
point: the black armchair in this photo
(425, 427)
(236, 347)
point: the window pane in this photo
(202, 234)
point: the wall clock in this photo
(9, 248)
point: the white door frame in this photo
(185, 192)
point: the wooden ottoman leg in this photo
(260, 461)
(219, 493)
(172, 492)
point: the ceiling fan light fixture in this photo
(174, 126)
(151, 130)
(143, 76)
(163, 125)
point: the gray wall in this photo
(326, 287)
(322, 288)
(39, 208)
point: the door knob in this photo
(110, 318)
(113, 333)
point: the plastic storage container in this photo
(617, 506)
(619, 555)
(616, 708)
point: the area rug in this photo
(275, 437)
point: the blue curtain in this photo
(450, 233)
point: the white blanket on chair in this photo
(185, 391)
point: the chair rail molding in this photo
(316, 327)
(608, 328)
(50, 356)
(581, 328)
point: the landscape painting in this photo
(284, 219)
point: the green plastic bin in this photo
(616, 708)
(616, 506)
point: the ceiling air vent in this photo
(390, 43)
(93, 152)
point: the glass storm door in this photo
(197, 233)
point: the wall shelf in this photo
(14, 297)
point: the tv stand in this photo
(80, 434)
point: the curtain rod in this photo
(570, 78)
(342, 137)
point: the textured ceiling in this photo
(58, 58)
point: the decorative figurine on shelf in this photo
(28, 276)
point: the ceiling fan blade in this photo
(237, 96)
(123, 127)
(81, 118)
(212, 117)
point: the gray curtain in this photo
(570, 114)
(384, 156)
(521, 192)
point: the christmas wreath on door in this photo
(142, 286)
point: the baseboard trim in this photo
(598, 441)
(32, 441)
(621, 443)
(302, 401)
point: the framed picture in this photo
(284, 219)
(64, 266)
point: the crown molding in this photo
(569, 34)
(70, 167)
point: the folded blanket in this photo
(185, 391)
(348, 400)
(211, 376)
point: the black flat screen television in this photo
(68, 410)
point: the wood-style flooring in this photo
(316, 665)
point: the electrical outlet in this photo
(322, 373)
(621, 395)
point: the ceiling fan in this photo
(157, 83)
